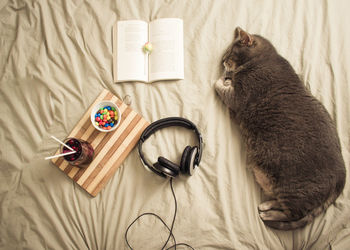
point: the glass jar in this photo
(84, 152)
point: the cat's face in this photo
(244, 48)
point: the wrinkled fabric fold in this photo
(56, 57)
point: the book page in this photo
(131, 61)
(167, 58)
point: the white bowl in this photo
(101, 105)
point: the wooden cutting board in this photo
(110, 148)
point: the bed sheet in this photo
(56, 57)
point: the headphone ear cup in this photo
(157, 169)
(163, 171)
(183, 165)
(190, 160)
(169, 165)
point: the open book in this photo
(165, 62)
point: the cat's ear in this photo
(244, 37)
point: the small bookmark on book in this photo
(147, 48)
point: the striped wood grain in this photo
(110, 148)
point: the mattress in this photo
(56, 57)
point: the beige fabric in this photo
(56, 56)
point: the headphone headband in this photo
(166, 122)
(169, 122)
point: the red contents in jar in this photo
(84, 152)
(74, 144)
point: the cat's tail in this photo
(291, 225)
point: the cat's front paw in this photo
(227, 82)
(219, 83)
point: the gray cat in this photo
(291, 140)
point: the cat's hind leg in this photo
(273, 215)
(272, 211)
(268, 205)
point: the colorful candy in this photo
(106, 117)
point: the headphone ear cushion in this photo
(158, 170)
(164, 171)
(169, 164)
(183, 165)
(190, 160)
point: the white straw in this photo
(55, 156)
(61, 142)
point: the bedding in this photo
(56, 57)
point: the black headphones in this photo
(191, 156)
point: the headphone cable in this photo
(158, 217)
